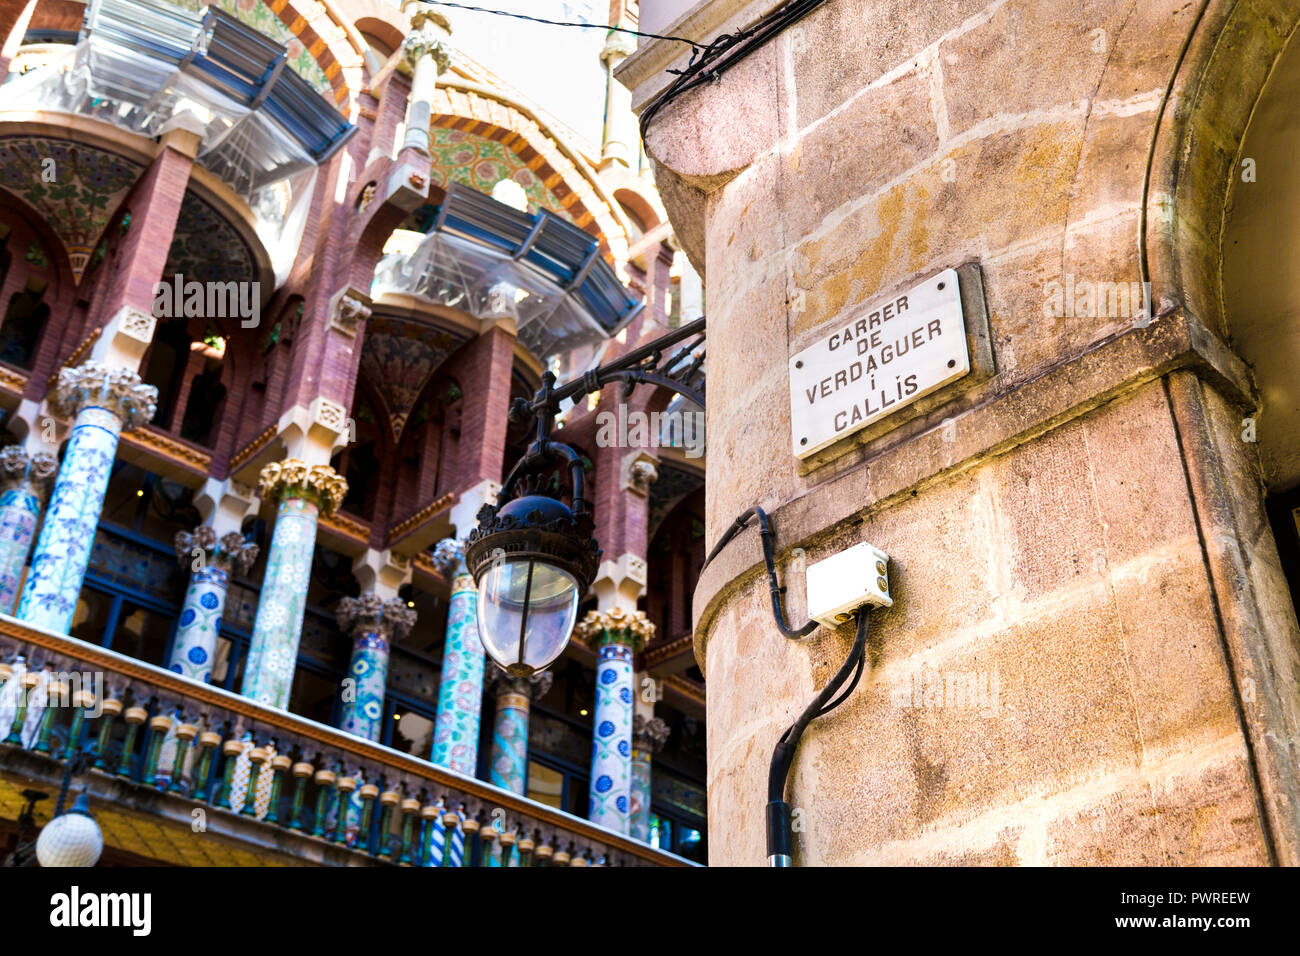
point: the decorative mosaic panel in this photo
(136, 567)
(399, 358)
(76, 194)
(258, 15)
(206, 247)
(481, 163)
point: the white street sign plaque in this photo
(885, 358)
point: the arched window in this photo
(24, 320)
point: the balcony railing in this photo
(272, 778)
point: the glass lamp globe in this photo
(71, 839)
(526, 612)
(533, 560)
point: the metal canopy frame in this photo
(495, 261)
(139, 63)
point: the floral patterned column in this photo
(210, 562)
(648, 736)
(372, 622)
(303, 492)
(615, 635)
(509, 766)
(24, 481)
(104, 402)
(460, 696)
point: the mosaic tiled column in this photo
(24, 482)
(210, 562)
(302, 492)
(648, 736)
(615, 636)
(509, 766)
(460, 696)
(372, 622)
(103, 402)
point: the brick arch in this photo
(549, 160)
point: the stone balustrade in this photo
(264, 775)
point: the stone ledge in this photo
(1006, 419)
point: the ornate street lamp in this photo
(73, 837)
(533, 556)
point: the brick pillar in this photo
(154, 204)
(621, 505)
(483, 369)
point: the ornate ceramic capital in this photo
(295, 478)
(448, 555)
(430, 36)
(534, 686)
(618, 626)
(372, 614)
(18, 468)
(118, 390)
(229, 553)
(649, 733)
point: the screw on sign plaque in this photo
(884, 358)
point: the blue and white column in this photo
(615, 635)
(460, 695)
(211, 561)
(302, 494)
(103, 402)
(372, 622)
(24, 485)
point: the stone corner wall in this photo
(1092, 640)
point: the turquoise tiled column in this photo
(615, 635)
(648, 736)
(509, 766)
(24, 482)
(302, 493)
(104, 402)
(372, 622)
(460, 695)
(210, 562)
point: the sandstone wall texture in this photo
(1081, 561)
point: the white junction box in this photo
(842, 583)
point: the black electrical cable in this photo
(696, 47)
(780, 836)
(774, 589)
(724, 52)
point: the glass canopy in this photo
(493, 261)
(139, 63)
